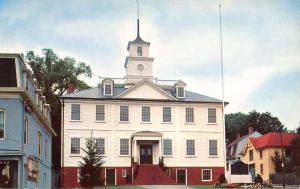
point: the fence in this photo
(289, 178)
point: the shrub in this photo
(258, 179)
(222, 179)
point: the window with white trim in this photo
(2, 123)
(146, 114)
(107, 89)
(124, 173)
(39, 143)
(124, 146)
(25, 130)
(124, 113)
(167, 114)
(75, 145)
(206, 175)
(100, 146)
(212, 115)
(189, 115)
(180, 92)
(167, 147)
(213, 147)
(100, 112)
(75, 111)
(190, 147)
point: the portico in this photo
(146, 147)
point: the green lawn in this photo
(118, 187)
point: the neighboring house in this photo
(25, 128)
(233, 156)
(258, 152)
(139, 124)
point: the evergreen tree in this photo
(91, 165)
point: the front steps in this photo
(152, 175)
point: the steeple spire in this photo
(138, 27)
(138, 18)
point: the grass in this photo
(118, 187)
(210, 186)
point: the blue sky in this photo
(261, 44)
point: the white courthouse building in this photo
(147, 132)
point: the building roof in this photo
(238, 141)
(272, 140)
(97, 93)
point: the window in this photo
(189, 115)
(100, 112)
(46, 149)
(40, 143)
(260, 154)
(250, 155)
(145, 114)
(124, 113)
(180, 92)
(206, 174)
(261, 169)
(213, 147)
(212, 117)
(190, 147)
(100, 146)
(107, 89)
(124, 146)
(167, 147)
(139, 50)
(25, 137)
(2, 123)
(75, 145)
(75, 112)
(167, 114)
(124, 174)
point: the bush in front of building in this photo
(89, 173)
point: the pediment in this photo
(146, 90)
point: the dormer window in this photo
(139, 51)
(180, 92)
(108, 87)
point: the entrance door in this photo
(110, 177)
(145, 154)
(252, 171)
(180, 177)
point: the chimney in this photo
(250, 130)
(70, 88)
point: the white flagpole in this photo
(222, 75)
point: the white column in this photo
(159, 147)
(134, 150)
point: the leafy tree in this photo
(238, 124)
(233, 125)
(295, 147)
(277, 160)
(91, 165)
(53, 74)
